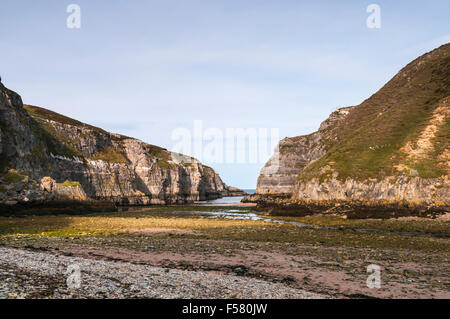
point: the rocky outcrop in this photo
(279, 175)
(19, 194)
(231, 191)
(67, 190)
(71, 160)
(387, 156)
(292, 155)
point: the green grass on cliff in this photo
(370, 138)
(59, 144)
(434, 165)
(164, 164)
(39, 112)
(55, 142)
(68, 183)
(110, 155)
(12, 177)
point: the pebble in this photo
(29, 274)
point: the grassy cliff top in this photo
(109, 154)
(403, 127)
(39, 112)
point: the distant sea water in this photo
(225, 200)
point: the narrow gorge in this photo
(388, 156)
(47, 158)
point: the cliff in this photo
(387, 156)
(45, 156)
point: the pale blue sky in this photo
(143, 68)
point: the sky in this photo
(147, 68)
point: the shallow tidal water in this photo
(232, 210)
(224, 201)
(229, 213)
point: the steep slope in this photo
(293, 154)
(392, 149)
(47, 152)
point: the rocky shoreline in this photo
(282, 205)
(55, 207)
(203, 257)
(31, 274)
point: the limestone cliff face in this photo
(95, 164)
(391, 150)
(279, 174)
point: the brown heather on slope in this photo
(387, 156)
(63, 159)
